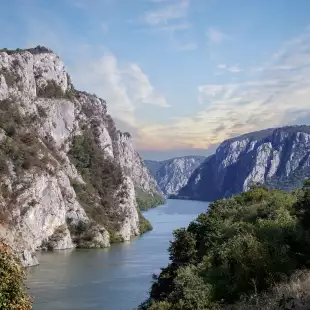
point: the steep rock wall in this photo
(45, 179)
(276, 157)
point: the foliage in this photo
(291, 182)
(145, 224)
(291, 294)
(12, 291)
(20, 150)
(240, 247)
(147, 201)
(51, 90)
(21, 144)
(103, 177)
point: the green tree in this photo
(12, 291)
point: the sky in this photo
(180, 75)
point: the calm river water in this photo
(117, 278)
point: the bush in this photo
(291, 294)
(51, 90)
(145, 224)
(12, 291)
(240, 247)
(103, 177)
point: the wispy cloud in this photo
(281, 96)
(172, 11)
(169, 17)
(232, 69)
(124, 86)
(104, 27)
(216, 36)
(189, 46)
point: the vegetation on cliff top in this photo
(12, 291)
(235, 252)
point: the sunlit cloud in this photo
(280, 96)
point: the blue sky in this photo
(180, 75)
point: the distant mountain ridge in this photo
(278, 157)
(172, 174)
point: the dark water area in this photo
(117, 278)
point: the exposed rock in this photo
(171, 175)
(278, 157)
(44, 186)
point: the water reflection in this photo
(116, 278)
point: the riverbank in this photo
(118, 277)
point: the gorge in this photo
(69, 178)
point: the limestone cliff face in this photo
(277, 157)
(68, 176)
(172, 174)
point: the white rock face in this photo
(46, 213)
(130, 224)
(171, 175)
(261, 157)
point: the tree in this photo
(12, 290)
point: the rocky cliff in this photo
(278, 157)
(68, 176)
(171, 175)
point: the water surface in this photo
(117, 278)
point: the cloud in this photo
(280, 96)
(125, 87)
(171, 28)
(104, 27)
(231, 69)
(190, 46)
(174, 10)
(169, 17)
(141, 89)
(215, 36)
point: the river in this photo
(117, 278)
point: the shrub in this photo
(240, 247)
(42, 112)
(21, 144)
(145, 224)
(51, 90)
(103, 177)
(12, 291)
(291, 294)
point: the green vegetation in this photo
(20, 150)
(12, 291)
(291, 182)
(236, 252)
(21, 144)
(51, 90)
(147, 201)
(145, 224)
(103, 177)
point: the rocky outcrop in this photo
(277, 157)
(68, 176)
(171, 175)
